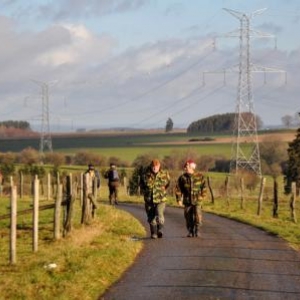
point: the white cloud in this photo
(82, 47)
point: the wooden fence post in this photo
(261, 193)
(210, 190)
(81, 189)
(57, 213)
(275, 199)
(36, 214)
(69, 205)
(48, 186)
(86, 209)
(226, 189)
(13, 224)
(139, 186)
(242, 193)
(57, 181)
(21, 185)
(125, 185)
(293, 203)
(74, 190)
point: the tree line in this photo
(16, 124)
(219, 123)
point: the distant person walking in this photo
(154, 184)
(91, 184)
(190, 191)
(113, 184)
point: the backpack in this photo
(113, 175)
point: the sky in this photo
(97, 64)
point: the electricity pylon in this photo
(45, 139)
(245, 147)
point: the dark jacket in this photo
(192, 188)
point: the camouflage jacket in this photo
(192, 188)
(154, 186)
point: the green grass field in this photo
(130, 153)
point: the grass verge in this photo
(282, 226)
(80, 266)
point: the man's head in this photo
(190, 166)
(112, 165)
(91, 167)
(155, 165)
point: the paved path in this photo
(230, 260)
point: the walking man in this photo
(113, 184)
(91, 184)
(190, 191)
(154, 184)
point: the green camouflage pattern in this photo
(192, 188)
(154, 186)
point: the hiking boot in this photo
(160, 230)
(190, 234)
(196, 231)
(153, 231)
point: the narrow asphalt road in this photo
(230, 260)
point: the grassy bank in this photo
(282, 226)
(80, 266)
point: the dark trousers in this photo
(193, 217)
(113, 188)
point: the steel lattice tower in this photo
(245, 148)
(45, 140)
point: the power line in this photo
(192, 103)
(191, 94)
(149, 91)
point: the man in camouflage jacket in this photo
(190, 191)
(154, 183)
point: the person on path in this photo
(113, 183)
(190, 191)
(154, 184)
(91, 183)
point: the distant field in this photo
(128, 145)
(130, 153)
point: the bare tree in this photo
(287, 120)
(169, 125)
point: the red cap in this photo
(191, 163)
